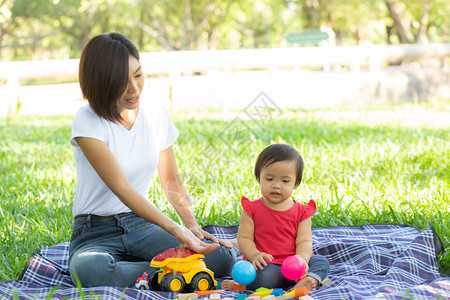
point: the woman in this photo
(117, 146)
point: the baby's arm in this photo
(247, 243)
(303, 242)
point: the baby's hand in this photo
(306, 269)
(259, 260)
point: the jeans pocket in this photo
(77, 232)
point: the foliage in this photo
(58, 29)
(359, 171)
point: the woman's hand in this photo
(178, 197)
(259, 259)
(202, 234)
(189, 240)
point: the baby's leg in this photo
(308, 282)
(270, 277)
(318, 270)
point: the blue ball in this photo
(243, 272)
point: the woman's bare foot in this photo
(227, 285)
(308, 282)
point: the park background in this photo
(374, 132)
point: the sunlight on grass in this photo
(361, 166)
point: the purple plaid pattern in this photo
(367, 262)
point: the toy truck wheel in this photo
(201, 282)
(153, 282)
(173, 283)
(143, 287)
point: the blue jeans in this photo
(116, 250)
(271, 277)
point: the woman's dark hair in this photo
(103, 72)
(279, 152)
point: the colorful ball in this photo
(293, 267)
(243, 272)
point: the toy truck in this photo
(181, 269)
(142, 282)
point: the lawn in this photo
(386, 164)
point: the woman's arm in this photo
(174, 189)
(247, 242)
(176, 194)
(107, 167)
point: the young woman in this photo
(118, 145)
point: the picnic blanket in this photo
(367, 262)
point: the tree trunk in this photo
(311, 11)
(141, 30)
(339, 37)
(422, 34)
(401, 25)
(388, 34)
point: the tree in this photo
(261, 24)
(401, 22)
(417, 20)
(181, 25)
(6, 22)
(60, 28)
(79, 20)
(356, 18)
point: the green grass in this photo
(362, 167)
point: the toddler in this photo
(274, 226)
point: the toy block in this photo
(280, 297)
(214, 297)
(253, 298)
(228, 298)
(288, 296)
(269, 297)
(238, 287)
(262, 292)
(326, 281)
(277, 292)
(189, 296)
(208, 292)
(241, 296)
(306, 298)
(299, 292)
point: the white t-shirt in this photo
(136, 150)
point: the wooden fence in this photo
(174, 66)
(176, 63)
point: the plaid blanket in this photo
(367, 262)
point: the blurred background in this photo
(220, 53)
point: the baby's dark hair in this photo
(279, 152)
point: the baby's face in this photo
(277, 183)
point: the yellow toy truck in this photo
(181, 269)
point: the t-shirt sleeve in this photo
(246, 205)
(87, 124)
(308, 210)
(168, 133)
